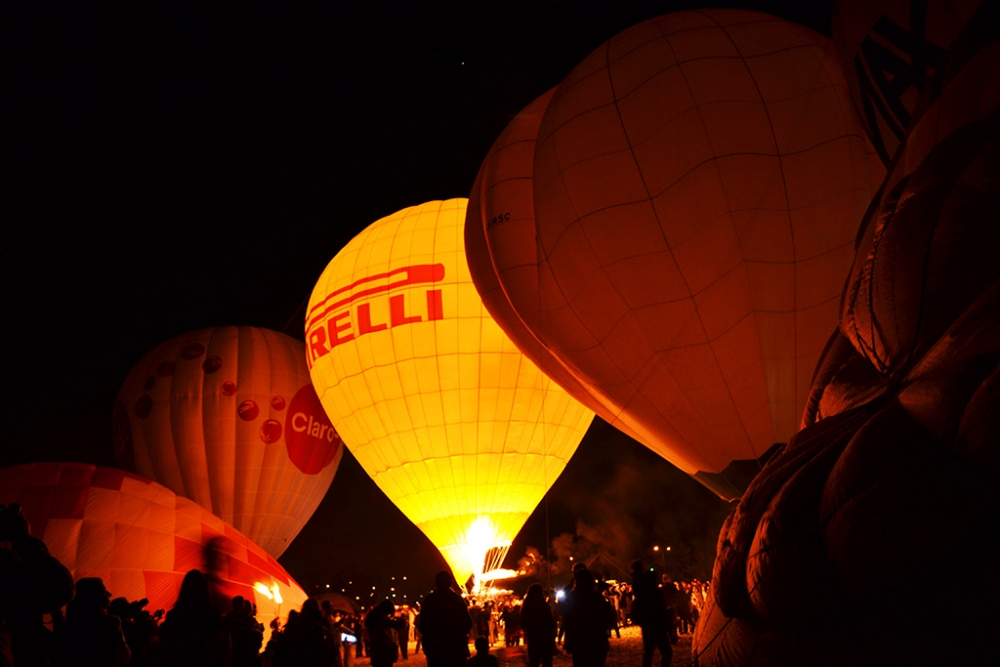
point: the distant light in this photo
(394, 578)
(404, 578)
(328, 585)
(392, 589)
(341, 590)
(560, 595)
(393, 595)
(571, 558)
(656, 548)
(350, 582)
(463, 62)
(668, 548)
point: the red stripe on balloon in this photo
(416, 274)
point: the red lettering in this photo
(365, 320)
(397, 311)
(317, 343)
(372, 285)
(435, 311)
(335, 329)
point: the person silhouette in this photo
(482, 658)
(192, 632)
(588, 619)
(539, 627)
(445, 624)
(650, 613)
(381, 627)
(91, 637)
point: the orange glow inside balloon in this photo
(462, 432)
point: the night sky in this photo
(172, 166)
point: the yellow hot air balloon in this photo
(458, 427)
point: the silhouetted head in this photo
(121, 608)
(238, 603)
(310, 611)
(383, 609)
(534, 594)
(194, 592)
(578, 566)
(583, 580)
(91, 597)
(637, 567)
(91, 589)
(482, 645)
(443, 580)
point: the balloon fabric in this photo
(227, 417)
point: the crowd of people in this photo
(99, 631)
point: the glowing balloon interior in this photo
(228, 418)
(458, 427)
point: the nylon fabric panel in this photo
(227, 417)
(502, 255)
(698, 183)
(449, 418)
(889, 50)
(928, 255)
(141, 538)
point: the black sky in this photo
(177, 165)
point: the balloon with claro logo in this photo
(228, 417)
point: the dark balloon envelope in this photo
(500, 246)
(889, 50)
(696, 184)
(883, 513)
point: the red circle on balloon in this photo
(278, 403)
(192, 351)
(228, 388)
(270, 431)
(311, 440)
(150, 381)
(211, 365)
(248, 410)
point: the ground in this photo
(625, 652)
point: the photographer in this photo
(32, 583)
(138, 626)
